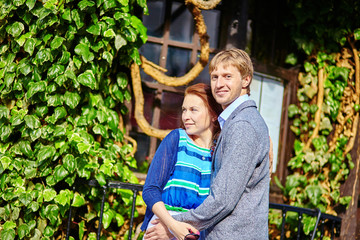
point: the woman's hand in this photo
(161, 232)
(158, 232)
(181, 229)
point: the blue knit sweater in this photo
(179, 175)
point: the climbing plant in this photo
(325, 119)
(64, 68)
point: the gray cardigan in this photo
(238, 204)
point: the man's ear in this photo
(246, 81)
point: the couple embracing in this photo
(205, 179)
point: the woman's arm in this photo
(160, 169)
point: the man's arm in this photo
(239, 146)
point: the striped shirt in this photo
(189, 184)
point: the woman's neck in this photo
(203, 140)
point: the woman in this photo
(179, 175)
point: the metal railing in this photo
(321, 218)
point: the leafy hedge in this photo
(63, 83)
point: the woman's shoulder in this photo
(174, 134)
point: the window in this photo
(173, 44)
(267, 92)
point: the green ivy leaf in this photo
(32, 121)
(36, 87)
(26, 148)
(60, 173)
(309, 224)
(83, 147)
(72, 99)
(55, 100)
(8, 234)
(42, 56)
(139, 26)
(109, 33)
(314, 193)
(108, 217)
(69, 163)
(100, 177)
(83, 50)
(56, 42)
(5, 131)
(25, 198)
(94, 29)
(78, 200)
(15, 29)
(85, 3)
(30, 4)
(4, 112)
(52, 212)
(82, 229)
(59, 113)
(357, 34)
(5, 161)
(77, 18)
(35, 134)
(23, 230)
(45, 153)
(108, 57)
(100, 129)
(63, 197)
(49, 231)
(49, 194)
(34, 206)
(88, 79)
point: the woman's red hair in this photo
(203, 91)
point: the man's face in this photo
(227, 84)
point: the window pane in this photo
(212, 20)
(170, 117)
(177, 61)
(155, 20)
(267, 92)
(182, 23)
(152, 53)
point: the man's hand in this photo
(158, 232)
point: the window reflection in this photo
(152, 53)
(182, 23)
(156, 18)
(212, 21)
(177, 62)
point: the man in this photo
(238, 204)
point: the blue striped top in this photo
(189, 184)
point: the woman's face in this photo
(195, 116)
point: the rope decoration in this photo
(206, 5)
(158, 73)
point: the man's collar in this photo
(227, 112)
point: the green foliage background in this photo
(63, 83)
(320, 30)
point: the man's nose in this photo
(219, 82)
